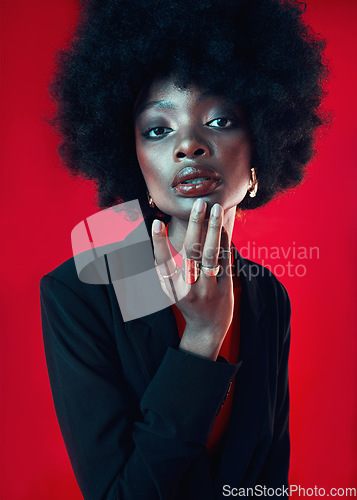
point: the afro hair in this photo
(258, 53)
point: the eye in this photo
(221, 123)
(157, 132)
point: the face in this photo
(191, 144)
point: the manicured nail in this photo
(156, 226)
(216, 210)
(199, 204)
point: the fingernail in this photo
(156, 226)
(199, 204)
(216, 210)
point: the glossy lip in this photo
(202, 188)
(191, 172)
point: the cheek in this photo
(152, 169)
(145, 160)
(239, 156)
(154, 160)
(142, 154)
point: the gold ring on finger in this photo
(211, 271)
(190, 270)
(167, 276)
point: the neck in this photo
(178, 227)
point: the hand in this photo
(207, 304)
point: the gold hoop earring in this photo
(253, 184)
(150, 200)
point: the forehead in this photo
(166, 93)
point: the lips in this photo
(196, 180)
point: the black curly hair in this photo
(258, 53)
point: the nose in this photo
(190, 145)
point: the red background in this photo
(41, 205)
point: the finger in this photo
(165, 264)
(192, 243)
(162, 252)
(225, 255)
(213, 237)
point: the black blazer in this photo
(136, 413)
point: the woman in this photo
(198, 111)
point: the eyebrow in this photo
(155, 104)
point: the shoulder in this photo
(65, 272)
(77, 317)
(263, 286)
(64, 285)
(259, 275)
(65, 275)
